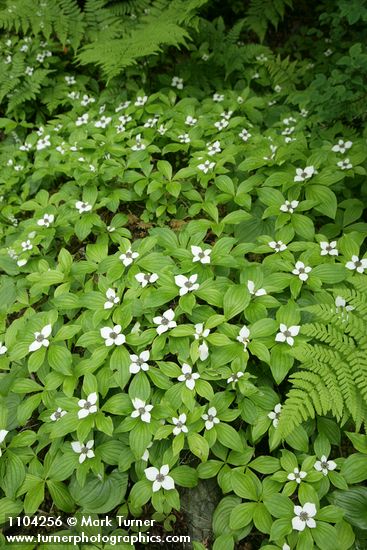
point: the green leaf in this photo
(241, 515)
(354, 468)
(198, 445)
(228, 436)
(235, 300)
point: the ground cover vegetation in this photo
(183, 265)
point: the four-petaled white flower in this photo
(200, 255)
(218, 97)
(142, 410)
(289, 206)
(286, 334)
(128, 257)
(200, 332)
(43, 143)
(244, 337)
(345, 164)
(235, 377)
(165, 322)
(211, 418)
(328, 248)
(221, 124)
(82, 120)
(3, 434)
(177, 82)
(139, 146)
(251, 289)
(342, 146)
(304, 517)
(274, 415)
(206, 166)
(88, 406)
(188, 376)
(301, 270)
(141, 100)
(180, 425)
(85, 451)
(186, 284)
(83, 206)
(3, 349)
(59, 413)
(296, 475)
(46, 220)
(139, 362)
(41, 338)
(112, 299)
(113, 336)
(190, 121)
(214, 148)
(145, 278)
(27, 245)
(304, 173)
(324, 465)
(160, 478)
(278, 246)
(184, 138)
(357, 264)
(244, 135)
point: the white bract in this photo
(328, 248)
(190, 121)
(289, 206)
(235, 377)
(139, 146)
(3, 434)
(177, 82)
(146, 278)
(88, 406)
(253, 291)
(112, 299)
(113, 336)
(324, 465)
(221, 124)
(214, 148)
(342, 146)
(206, 166)
(244, 337)
(160, 478)
(304, 173)
(82, 120)
(188, 376)
(275, 414)
(345, 164)
(200, 255)
(41, 338)
(356, 264)
(184, 138)
(128, 257)
(165, 322)
(59, 413)
(186, 284)
(301, 270)
(83, 206)
(180, 424)
(139, 362)
(46, 220)
(142, 410)
(304, 517)
(210, 418)
(278, 246)
(286, 334)
(43, 143)
(297, 475)
(200, 332)
(3, 349)
(85, 451)
(218, 97)
(141, 100)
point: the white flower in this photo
(206, 166)
(278, 246)
(218, 97)
(29, 71)
(356, 263)
(161, 130)
(200, 255)
(46, 220)
(274, 415)
(82, 119)
(251, 289)
(342, 146)
(112, 299)
(190, 121)
(74, 95)
(205, 57)
(289, 206)
(128, 257)
(139, 362)
(328, 248)
(145, 456)
(214, 148)
(3, 349)
(304, 173)
(288, 131)
(184, 138)
(70, 80)
(3, 434)
(221, 124)
(43, 143)
(113, 336)
(188, 376)
(244, 135)
(83, 206)
(301, 270)
(85, 451)
(160, 478)
(324, 465)
(165, 322)
(304, 113)
(210, 418)
(341, 303)
(235, 377)
(304, 517)
(25, 147)
(27, 245)
(59, 413)
(122, 106)
(142, 410)
(141, 100)
(125, 119)
(86, 100)
(110, 228)
(102, 122)
(41, 338)
(261, 58)
(328, 52)
(286, 334)
(288, 121)
(244, 337)
(139, 146)
(186, 284)
(21, 263)
(180, 425)
(277, 89)
(203, 351)
(345, 164)
(296, 475)
(200, 332)
(151, 122)
(146, 278)
(177, 82)
(88, 406)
